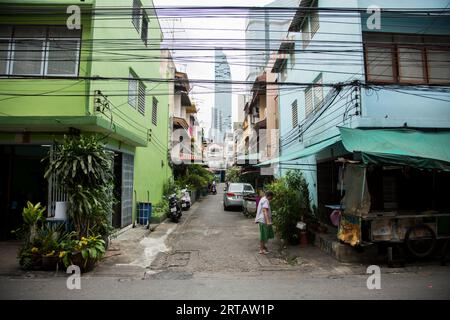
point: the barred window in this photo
(141, 98)
(308, 101)
(136, 15)
(306, 33)
(314, 96)
(314, 21)
(310, 25)
(133, 84)
(155, 111)
(318, 92)
(144, 32)
(294, 114)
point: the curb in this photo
(343, 252)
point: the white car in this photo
(234, 195)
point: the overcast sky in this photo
(206, 70)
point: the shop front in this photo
(396, 189)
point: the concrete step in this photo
(328, 243)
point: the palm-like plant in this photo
(84, 168)
(32, 215)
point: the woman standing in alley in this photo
(264, 219)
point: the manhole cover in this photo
(178, 259)
(171, 275)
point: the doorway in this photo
(117, 209)
(123, 190)
(21, 180)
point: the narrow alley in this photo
(213, 254)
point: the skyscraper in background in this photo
(221, 120)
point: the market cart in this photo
(361, 224)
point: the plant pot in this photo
(36, 260)
(85, 266)
(49, 263)
(106, 239)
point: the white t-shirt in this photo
(263, 204)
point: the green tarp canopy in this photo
(426, 150)
(313, 149)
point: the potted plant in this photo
(85, 169)
(47, 244)
(83, 253)
(290, 203)
(32, 215)
(36, 257)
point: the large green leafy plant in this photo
(233, 174)
(85, 169)
(290, 203)
(196, 177)
(32, 216)
(83, 251)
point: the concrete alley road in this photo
(213, 254)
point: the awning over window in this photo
(313, 149)
(426, 150)
(180, 122)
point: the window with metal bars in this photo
(310, 25)
(314, 96)
(308, 101)
(136, 15)
(144, 31)
(318, 92)
(314, 21)
(155, 111)
(294, 114)
(133, 84)
(141, 98)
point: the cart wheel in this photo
(422, 246)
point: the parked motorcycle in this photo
(174, 208)
(185, 199)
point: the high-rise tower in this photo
(221, 121)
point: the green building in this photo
(105, 78)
